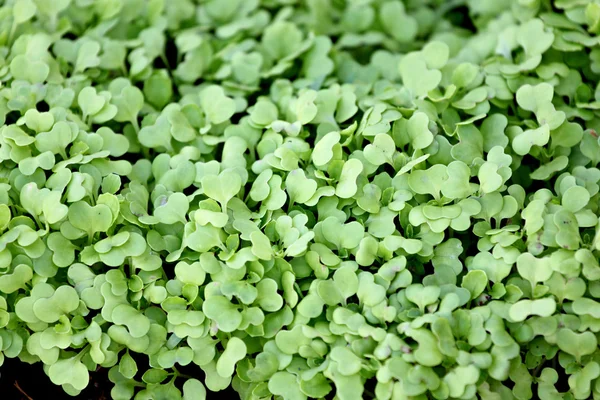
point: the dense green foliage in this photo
(303, 198)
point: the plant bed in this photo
(290, 199)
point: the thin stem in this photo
(37, 221)
(83, 352)
(136, 125)
(298, 290)
(13, 29)
(63, 154)
(163, 57)
(539, 367)
(447, 6)
(177, 374)
(146, 152)
(16, 384)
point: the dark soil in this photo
(22, 381)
